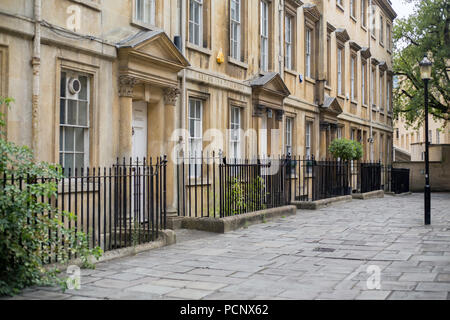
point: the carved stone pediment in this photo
(365, 53)
(383, 66)
(311, 12)
(342, 35)
(151, 57)
(330, 28)
(354, 46)
(269, 91)
(331, 106)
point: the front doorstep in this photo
(227, 224)
(369, 195)
(319, 204)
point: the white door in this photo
(139, 152)
(139, 130)
(263, 138)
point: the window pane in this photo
(79, 161)
(79, 139)
(198, 129)
(63, 85)
(68, 139)
(61, 139)
(68, 162)
(192, 127)
(83, 95)
(82, 113)
(62, 111)
(72, 112)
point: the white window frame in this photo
(145, 11)
(235, 29)
(289, 131)
(308, 132)
(381, 30)
(373, 77)
(363, 13)
(235, 132)
(195, 140)
(352, 77)
(264, 35)
(308, 61)
(381, 148)
(381, 89)
(339, 70)
(438, 137)
(363, 82)
(373, 20)
(388, 95)
(65, 126)
(352, 8)
(288, 41)
(196, 25)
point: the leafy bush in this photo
(244, 197)
(31, 230)
(346, 149)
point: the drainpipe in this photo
(281, 38)
(370, 83)
(36, 63)
(281, 62)
(183, 18)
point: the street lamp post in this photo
(425, 74)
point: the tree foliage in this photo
(345, 149)
(30, 229)
(427, 31)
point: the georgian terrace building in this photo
(94, 80)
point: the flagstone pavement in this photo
(333, 253)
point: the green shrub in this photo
(346, 150)
(242, 197)
(30, 229)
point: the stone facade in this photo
(124, 58)
(412, 140)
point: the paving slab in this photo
(325, 254)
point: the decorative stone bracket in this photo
(171, 95)
(126, 86)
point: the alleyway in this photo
(314, 255)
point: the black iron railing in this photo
(213, 186)
(399, 180)
(117, 206)
(370, 177)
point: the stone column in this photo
(126, 85)
(170, 100)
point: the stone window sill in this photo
(237, 63)
(310, 80)
(90, 3)
(194, 47)
(143, 25)
(291, 72)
